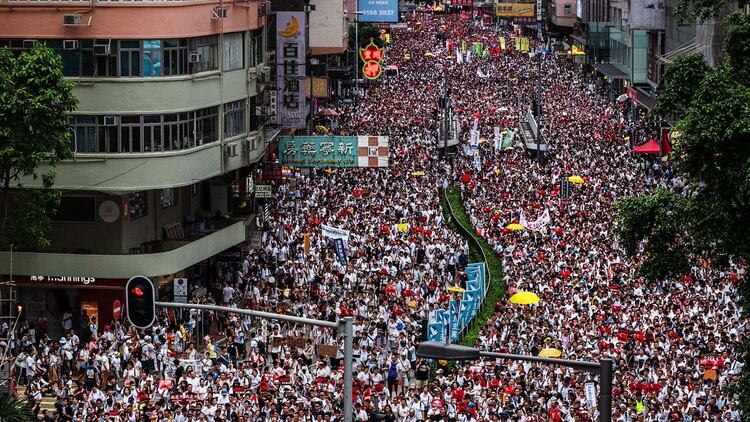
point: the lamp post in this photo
(356, 52)
(438, 350)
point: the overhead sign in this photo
(378, 10)
(333, 151)
(291, 47)
(515, 10)
(263, 191)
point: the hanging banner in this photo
(338, 244)
(435, 331)
(334, 233)
(537, 224)
(291, 45)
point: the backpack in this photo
(392, 371)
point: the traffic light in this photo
(140, 301)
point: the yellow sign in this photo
(502, 43)
(515, 10)
(291, 28)
(522, 44)
(402, 228)
(577, 51)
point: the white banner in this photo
(336, 233)
(537, 224)
(459, 57)
(482, 75)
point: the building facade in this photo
(171, 119)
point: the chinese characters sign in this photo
(372, 55)
(291, 46)
(333, 151)
(514, 10)
(378, 10)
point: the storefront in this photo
(57, 298)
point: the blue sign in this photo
(435, 331)
(454, 320)
(378, 10)
(340, 252)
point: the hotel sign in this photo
(291, 48)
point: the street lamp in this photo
(438, 350)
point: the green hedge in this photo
(496, 289)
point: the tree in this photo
(35, 100)
(709, 219)
(14, 409)
(367, 31)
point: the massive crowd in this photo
(673, 342)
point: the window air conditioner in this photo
(72, 20)
(194, 57)
(101, 50)
(110, 120)
(219, 13)
(230, 150)
(249, 143)
(70, 44)
(29, 44)
(265, 8)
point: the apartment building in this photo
(172, 118)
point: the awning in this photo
(645, 98)
(650, 147)
(610, 70)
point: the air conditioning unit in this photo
(72, 20)
(110, 120)
(29, 44)
(101, 49)
(230, 150)
(219, 13)
(248, 143)
(264, 76)
(194, 57)
(265, 8)
(252, 73)
(70, 44)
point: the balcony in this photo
(175, 257)
(127, 172)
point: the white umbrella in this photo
(622, 97)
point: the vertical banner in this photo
(338, 244)
(291, 48)
(306, 242)
(502, 43)
(454, 320)
(435, 331)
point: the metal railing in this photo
(471, 239)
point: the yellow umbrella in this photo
(442, 362)
(417, 173)
(550, 352)
(514, 227)
(575, 179)
(428, 54)
(456, 289)
(524, 298)
(407, 56)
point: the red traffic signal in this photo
(140, 301)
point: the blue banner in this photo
(338, 244)
(435, 331)
(378, 10)
(468, 310)
(454, 320)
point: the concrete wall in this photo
(328, 28)
(98, 237)
(562, 16)
(130, 20)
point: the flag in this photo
(459, 57)
(502, 43)
(463, 46)
(468, 56)
(508, 138)
(497, 139)
(518, 44)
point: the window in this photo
(151, 58)
(135, 205)
(567, 9)
(255, 50)
(76, 209)
(175, 57)
(130, 58)
(232, 51)
(168, 197)
(84, 133)
(206, 47)
(130, 133)
(206, 125)
(234, 118)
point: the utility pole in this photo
(539, 106)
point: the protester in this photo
(673, 343)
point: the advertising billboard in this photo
(515, 10)
(333, 151)
(378, 10)
(291, 47)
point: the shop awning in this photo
(645, 98)
(610, 70)
(650, 147)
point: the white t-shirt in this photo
(228, 293)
